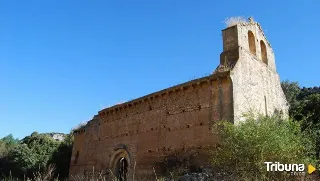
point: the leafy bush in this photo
(304, 108)
(34, 154)
(10, 140)
(61, 157)
(245, 147)
(3, 149)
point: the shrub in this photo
(234, 20)
(61, 157)
(245, 147)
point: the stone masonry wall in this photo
(256, 84)
(255, 28)
(256, 88)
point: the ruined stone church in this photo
(129, 139)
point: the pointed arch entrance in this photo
(121, 169)
(120, 164)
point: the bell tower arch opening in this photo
(264, 56)
(252, 43)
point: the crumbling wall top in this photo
(163, 92)
(250, 22)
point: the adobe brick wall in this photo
(155, 126)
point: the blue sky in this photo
(61, 61)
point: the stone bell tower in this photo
(250, 37)
(256, 83)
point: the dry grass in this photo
(48, 175)
(234, 20)
(45, 175)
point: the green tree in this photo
(10, 140)
(311, 108)
(310, 111)
(7, 143)
(308, 91)
(34, 133)
(22, 160)
(43, 146)
(33, 154)
(3, 149)
(291, 91)
(304, 107)
(303, 102)
(3, 156)
(61, 157)
(243, 148)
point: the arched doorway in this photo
(121, 169)
(120, 164)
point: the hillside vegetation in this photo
(34, 153)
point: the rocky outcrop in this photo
(57, 136)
